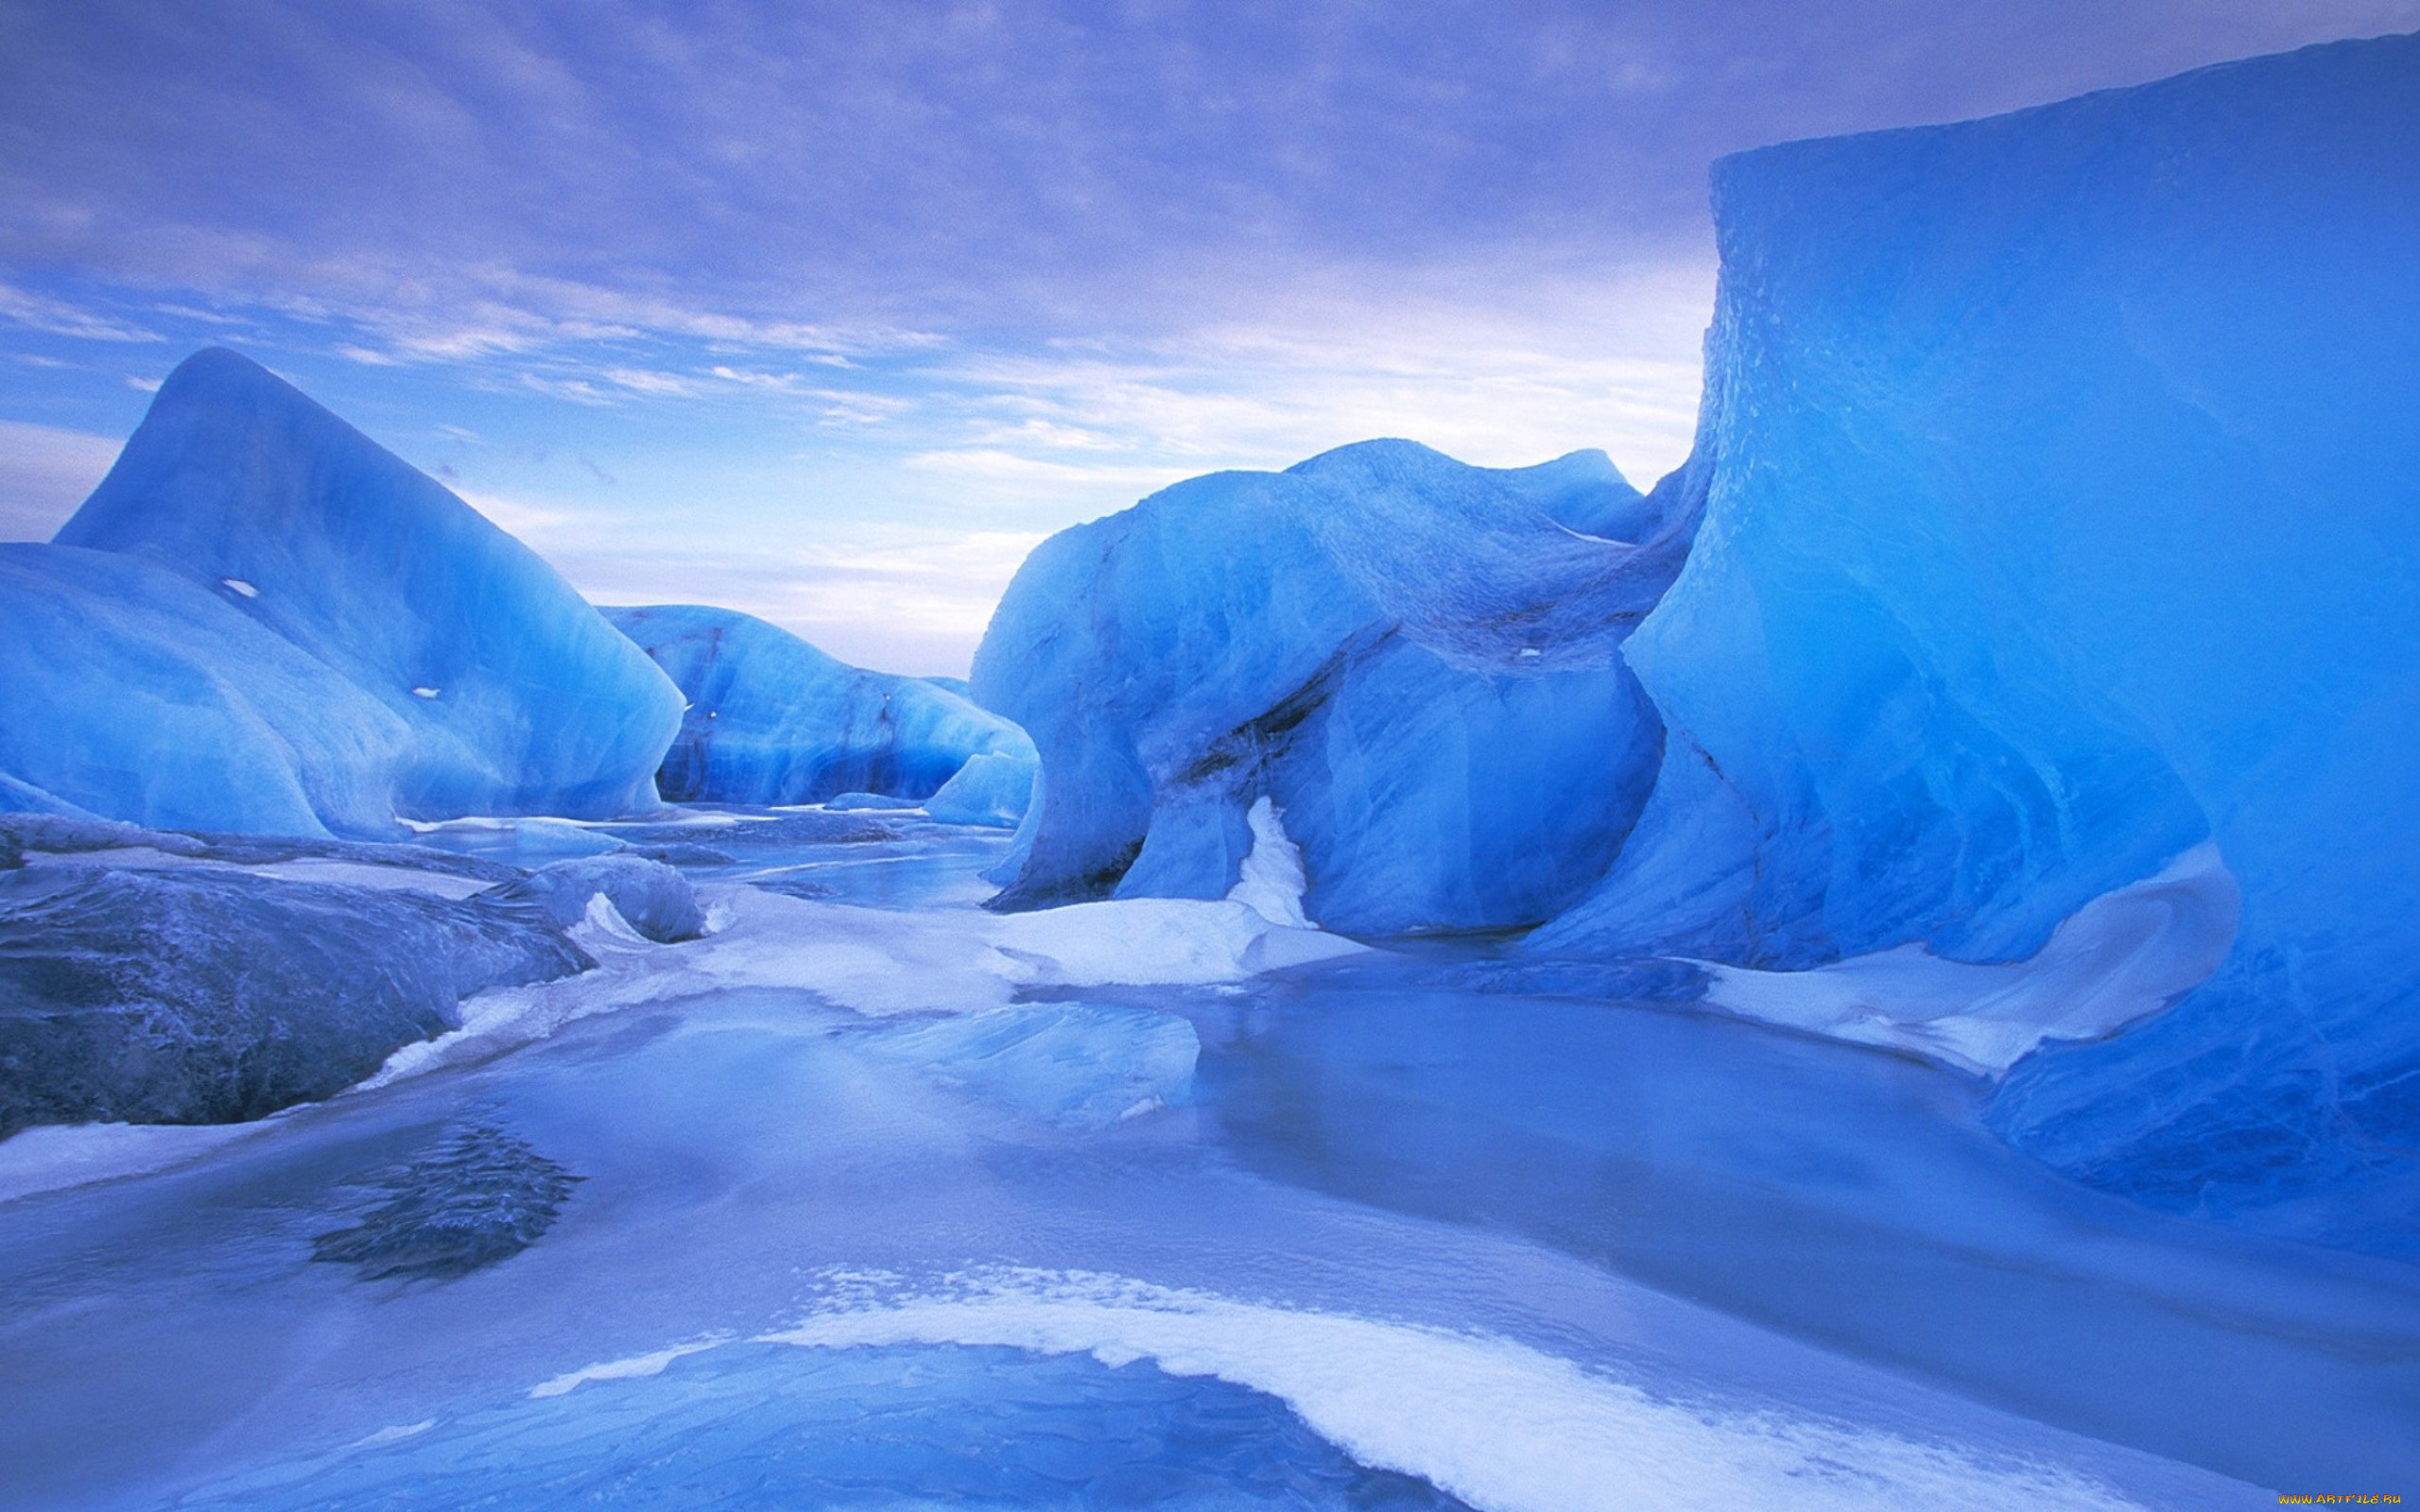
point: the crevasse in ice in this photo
(773, 720)
(516, 696)
(2061, 509)
(1417, 660)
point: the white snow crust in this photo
(2121, 958)
(1498, 1424)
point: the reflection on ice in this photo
(1844, 1195)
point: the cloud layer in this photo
(777, 276)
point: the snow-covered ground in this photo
(883, 1200)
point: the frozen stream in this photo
(1345, 1235)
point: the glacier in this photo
(772, 720)
(511, 694)
(1418, 661)
(2061, 513)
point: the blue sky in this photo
(830, 312)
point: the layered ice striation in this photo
(773, 720)
(2062, 511)
(501, 691)
(1417, 662)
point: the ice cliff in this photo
(431, 665)
(2061, 510)
(1417, 662)
(773, 720)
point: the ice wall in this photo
(773, 720)
(516, 696)
(1417, 660)
(2063, 509)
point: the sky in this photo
(831, 311)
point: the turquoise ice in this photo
(1419, 662)
(509, 695)
(2061, 508)
(771, 719)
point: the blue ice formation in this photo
(1419, 663)
(502, 692)
(2061, 509)
(773, 720)
(994, 788)
(137, 695)
(654, 899)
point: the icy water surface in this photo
(1353, 1236)
(763, 1426)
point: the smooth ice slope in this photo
(1417, 660)
(773, 720)
(518, 698)
(2064, 509)
(136, 695)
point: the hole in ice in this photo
(773, 1426)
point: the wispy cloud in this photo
(796, 276)
(902, 599)
(478, 178)
(44, 473)
(54, 317)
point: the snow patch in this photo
(1500, 1425)
(2123, 956)
(881, 962)
(636, 1367)
(1273, 882)
(393, 1434)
